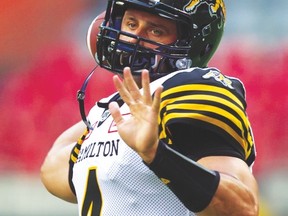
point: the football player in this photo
(175, 138)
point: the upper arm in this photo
(231, 166)
(55, 168)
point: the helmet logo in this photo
(214, 7)
(217, 5)
(191, 5)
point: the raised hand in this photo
(140, 131)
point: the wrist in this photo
(149, 155)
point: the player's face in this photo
(148, 26)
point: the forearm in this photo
(201, 190)
(233, 198)
(54, 174)
(237, 193)
(55, 168)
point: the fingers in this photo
(123, 91)
(131, 85)
(129, 90)
(146, 87)
(157, 99)
(115, 112)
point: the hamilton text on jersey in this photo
(99, 149)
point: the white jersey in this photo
(111, 179)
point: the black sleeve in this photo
(196, 142)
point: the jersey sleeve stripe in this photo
(213, 104)
(74, 156)
(202, 108)
(203, 87)
(221, 109)
(208, 100)
(76, 149)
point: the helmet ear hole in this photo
(92, 33)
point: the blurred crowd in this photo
(44, 60)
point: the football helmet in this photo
(200, 25)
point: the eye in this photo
(131, 25)
(157, 32)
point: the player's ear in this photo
(93, 32)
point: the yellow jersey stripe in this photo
(202, 87)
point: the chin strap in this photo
(81, 97)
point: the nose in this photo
(139, 32)
(132, 40)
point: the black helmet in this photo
(200, 25)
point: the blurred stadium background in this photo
(44, 60)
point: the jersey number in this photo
(93, 200)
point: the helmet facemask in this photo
(115, 54)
